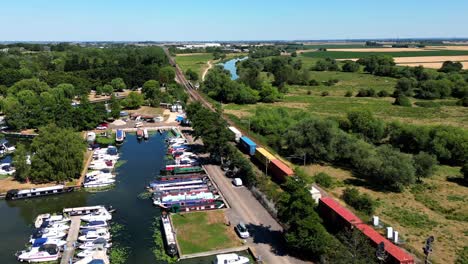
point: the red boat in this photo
(139, 133)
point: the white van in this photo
(237, 182)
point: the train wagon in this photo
(279, 170)
(248, 145)
(263, 156)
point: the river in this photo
(230, 65)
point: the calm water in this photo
(143, 162)
(230, 65)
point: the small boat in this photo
(94, 224)
(95, 234)
(97, 183)
(101, 164)
(139, 133)
(50, 219)
(55, 226)
(90, 252)
(119, 136)
(7, 169)
(48, 241)
(231, 258)
(47, 252)
(86, 210)
(47, 233)
(92, 244)
(37, 192)
(145, 133)
(101, 215)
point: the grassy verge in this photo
(203, 231)
(159, 249)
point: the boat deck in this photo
(72, 237)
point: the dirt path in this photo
(210, 65)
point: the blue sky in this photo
(184, 20)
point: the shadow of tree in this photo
(262, 234)
(458, 180)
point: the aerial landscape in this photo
(234, 133)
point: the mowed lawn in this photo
(439, 207)
(196, 62)
(351, 54)
(204, 231)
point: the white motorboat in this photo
(48, 252)
(7, 169)
(101, 215)
(50, 219)
(48, 241)
(48, 233)
(55, 226)
(90, 252)
(96, 183)
(231, 258)
(94, 225)
(95, 234)
(101, 164)
(96, 243)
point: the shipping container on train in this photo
(279, 170)
(248, 145)
(263, 156)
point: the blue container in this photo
(248, 145)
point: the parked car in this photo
(102, 127)
(138, 124)
(241, 230)
(237, 182)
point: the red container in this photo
(279, 170)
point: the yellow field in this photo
(379, 49)
(431, 65)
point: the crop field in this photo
(353, 55)
(431, 65)
(438, 207)
(203, 231)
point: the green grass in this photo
(410, 218)
(203, 231)
(196, 62)
(351, 54)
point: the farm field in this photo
(431, 65)
(438, 207)
(354, 54)
(203, 231)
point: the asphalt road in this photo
(266, 238)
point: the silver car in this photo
(242, 231)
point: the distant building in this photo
(197, 46)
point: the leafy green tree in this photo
(366, 125)
(58, 155)
(118, 84)
(360, 202)
(402, 101)
(405, 86)
(115, 107)
(34, 85)
(357, 247)
(304, 232)
(107, 89)
(21, 164)
(350, 66)
(166, 75)
(450, 66)
(133, 100)
(67, 89)
(269, 94)
(191, 75)
(425, 165)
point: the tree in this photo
(360, 202)
(402, 101)
(20, 162)
(424, 164)
(133, 100)
(192, 75)
(358, 246)
(34, 85)
(115, 107)
(118, 84)
(107, 89)
(58, 155)
(464, 171)
(304, 232)
(166, 75)
(366, 125)
(350, 66)
(68, 90)
(405, 86)
(450, 66)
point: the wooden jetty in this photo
(68, 253)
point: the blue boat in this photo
(119, 136)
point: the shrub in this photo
(360, 202)
(463, 101)
(325, 93)
(309, 92)
(382, 93)
(464, 171)
(331, 82)
(366, 93)
(314, 82)
(402, 101)
(428, 104)
(349, 94)
(324, 180)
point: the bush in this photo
(360, 202)
(314, 82)
(463, 101)
(402, 101)
(309, 92)
(464, 171)
(428, 104)
(324, 180)
(349, 94)
(331, 82)
(350, 66)
(325, 93)
(382, 93)
(366, 93)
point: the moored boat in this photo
(48, 252)
(119, 136)
(145, 133)
(139, 133)
(231, 258)
(37, 192)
